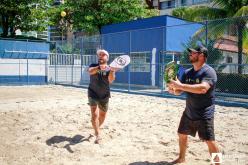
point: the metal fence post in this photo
(27, 73)
(27, 62)
(46, 69)
(206, 24)
(55, 64)
(81, 55)
(101, 41)
(129, 78)
(161, 63)
(72, 69)
(130, 50)
(72, 66)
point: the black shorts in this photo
(205, 128)
(102, 104)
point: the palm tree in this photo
(221, 9)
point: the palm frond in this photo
(232, 6)
(215, 29)
(199, 13)
(243, 11)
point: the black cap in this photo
(199, 49)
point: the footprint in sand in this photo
(112, 133)
(192, 153)
(164, 143)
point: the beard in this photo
(102, 61)
(193, 60)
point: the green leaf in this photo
(242, 12)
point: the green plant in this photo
(232, 83)
(221, 9)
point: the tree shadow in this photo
(151, 163)
(72, 141)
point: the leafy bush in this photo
(232, 83)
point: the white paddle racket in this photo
(120, 62)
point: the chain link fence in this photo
(150, 50)
(70, 60)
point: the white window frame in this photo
(139, 63)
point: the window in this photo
(183, 2)
(229, 59)
(231, 30)
(200, 1)
(167, 4)
(140, 62)
(167, 57)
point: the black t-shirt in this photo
(99, 84)
(200, 106)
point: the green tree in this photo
(221, 9)
(26, 15)
(91, 15)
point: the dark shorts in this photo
(102, 104)
(205, 128)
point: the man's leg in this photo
(182, 147)
(186, 127)
(206, 133)
(103, 108)
(95, 119)
(102, 116)
(100, 120)
(213, 148)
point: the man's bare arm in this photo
(175, 91)
(93, 70)
(201, 88)
(111, 76)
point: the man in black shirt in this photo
(101, 75)
(199, 84)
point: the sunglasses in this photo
(194, 53)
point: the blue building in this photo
(150, 42)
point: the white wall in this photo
(16, 67)
(64, 74)
(232, 67)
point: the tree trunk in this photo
(12, 31)
(99, 28)
(149, 4)
(12, 26)
(5, 23)
(100, 36)
(240, 46)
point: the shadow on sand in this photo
(72, 141)
(150, 163)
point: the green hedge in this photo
(232, 83)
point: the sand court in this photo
(51, 125)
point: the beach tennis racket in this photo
(170, 71)
(120, 62)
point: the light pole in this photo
(63, 14)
